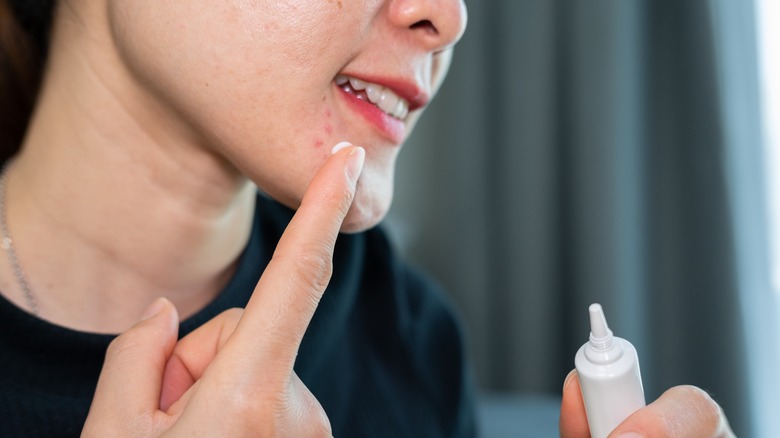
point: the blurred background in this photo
(611, 151)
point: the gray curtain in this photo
(580, 152)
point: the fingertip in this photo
(569, 378)
(161, 311)
(355, 161)
(154, 309)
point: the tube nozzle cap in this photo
(598, 322)
(600, 334)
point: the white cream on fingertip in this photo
(339, 146)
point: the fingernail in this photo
(629, 435)
(569, 378)
(355, 163)
(155, 308)
(340, 146)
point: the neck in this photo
(112, 202)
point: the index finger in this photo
(285, 298)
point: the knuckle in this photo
(238, 399)
(303, 409)
(244, 406)
(258, 410)
(323, 427)
(340, 197)
(277, 406)
(313, 267)
(345, 201)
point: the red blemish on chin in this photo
(318, 143)
(329, 129)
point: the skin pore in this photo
(158, 120)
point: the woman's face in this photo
(272, 85)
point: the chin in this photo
(365, 213)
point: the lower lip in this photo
(393, 129)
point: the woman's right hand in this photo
(234, 375)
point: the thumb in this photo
(573, 422)
(128, 390)
(681, 411)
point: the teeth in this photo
(357, 84)
(387, 102)
(402, 110)
(384, 98)
(374, 92)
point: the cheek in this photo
(328, 126)
(216, 68)
(324, 135)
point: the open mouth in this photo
(381, 97)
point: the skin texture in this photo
(175, 111)
(224, 84)
(136, 180)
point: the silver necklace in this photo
(8, 245)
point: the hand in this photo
(234, 375)
(683, 411)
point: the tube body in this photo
(611, 384)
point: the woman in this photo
(137, 178)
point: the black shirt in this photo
(383, 353)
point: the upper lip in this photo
(408, 90)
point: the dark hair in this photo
(24, 37)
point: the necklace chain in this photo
(8, 245)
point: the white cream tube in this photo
(608, 369)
